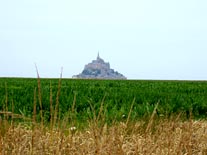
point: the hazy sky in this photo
(142, 39)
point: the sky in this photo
(142, 39)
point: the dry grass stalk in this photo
(51, 107)
(71, 112)
(40, 96)
(34, 107)
(57, 99)
(169, 137)
(152, 118)
(128, 118)
(6, 100)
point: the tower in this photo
(98, 57)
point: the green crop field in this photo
(84, 97)
(18, 96)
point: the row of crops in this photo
(19, 94)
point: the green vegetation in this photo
(64, 116)
(84, 97)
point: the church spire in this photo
(98, 57)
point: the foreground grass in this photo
(166, 136)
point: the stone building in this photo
(99, 69)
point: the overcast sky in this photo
(142, 39)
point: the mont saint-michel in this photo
(99, 69)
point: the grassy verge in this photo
(150, 136)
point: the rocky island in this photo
(99, 69)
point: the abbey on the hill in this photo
(99, 69)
